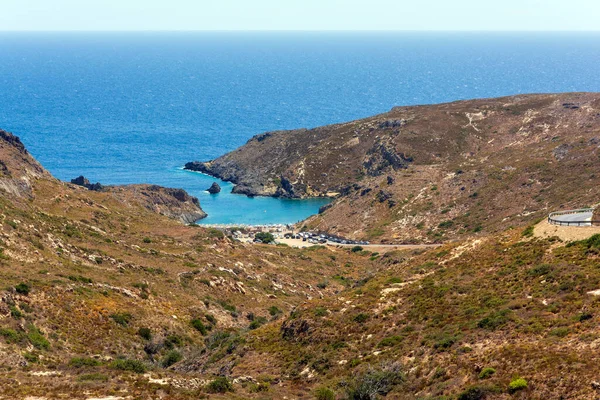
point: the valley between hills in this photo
(108, 294)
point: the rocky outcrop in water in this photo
(214, 188)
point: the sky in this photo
(353, 15)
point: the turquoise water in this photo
(134, 108)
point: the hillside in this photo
(98, 286)
(103, 296)
(431, 173)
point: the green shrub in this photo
(494, 320)
(80, 362)
(145, 333)
(31, 357)
(542, 269)
(445, 341)
(584, 316)
(274, 311)
(560, 332)
(528, 232)
(121, 318)
(22, 288)
(486, 372)
(172, 341)
(219, 385)
(210, 318)
(11, 336)
(324, 393)
(356, 249)
(199, 326)
(37, 339)
(171, 358)
(215, 233)
(147, 240)
(446, 225)
(390, 341)
(93, 377)
(320, 312)
(474, 393)
(260, 387)
(375, 382)
(15, 312)
(517, 384)
(265, 237)
(361, 318)
(125, 364)
(257, 322)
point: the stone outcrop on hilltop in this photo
(83, 181)
(420, 173)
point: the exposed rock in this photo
(383, 196)
(295, 329)
(324, 208)
(382, 156)
(561, 151)
(83, 181)
(214, 188)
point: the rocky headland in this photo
(428, 173)
(173, 203)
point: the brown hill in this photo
(97, 287)
(427, 173)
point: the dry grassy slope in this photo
(482, 164)
(99, 267)
(521, 307)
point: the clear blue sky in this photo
(511, 15)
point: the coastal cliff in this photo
(173, 203)
(424, 173)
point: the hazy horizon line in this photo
(292, 31)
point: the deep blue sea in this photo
(134, 107)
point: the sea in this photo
(123, 108)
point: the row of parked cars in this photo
(322, 238)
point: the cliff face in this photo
(423, 173)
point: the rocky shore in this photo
(173, 203)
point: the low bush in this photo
(97, 377)
(23, 288)
(486, 373)
(324, 393)
(474, 393)
(219, 385)
(145, 333)
(356, 249)
(81, 362)
(121, 318)
(361, 318)
(171, 358)
(125, 364)
(517, 384)
(199, 326)
(37, 339)
(375, 382)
